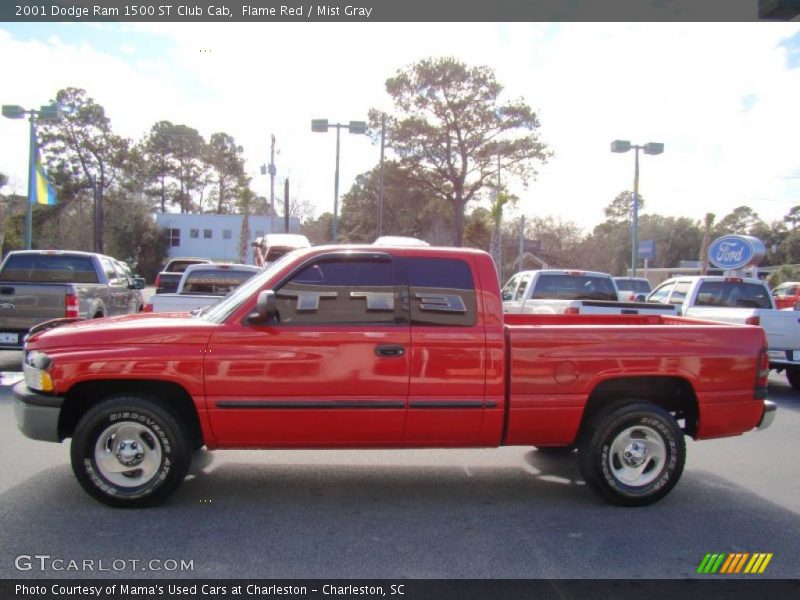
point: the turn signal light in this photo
(71, 307)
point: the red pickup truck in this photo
(358, 347)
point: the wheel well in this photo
(83, 396)
(673, 394)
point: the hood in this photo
(142, 328)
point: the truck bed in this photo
(558, 361)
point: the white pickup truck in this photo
(553, 291)
(740, 300)
(202, 285)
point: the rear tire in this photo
(128, 451)
(632, 455)
(793, 377)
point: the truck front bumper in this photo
(768, 416)
(37, 414)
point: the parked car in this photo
(633, 289)
(387, 347)
(202, 285)
(787, 295)
(167, 280)
(746, 301)
(40, 285)
(555, 291)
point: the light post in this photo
(649, 148)
(321, 126)
(49, 112)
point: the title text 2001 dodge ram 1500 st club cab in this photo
(358, 347)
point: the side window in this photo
(679, 292)
(341, 290)
(111, 274)
(441, 291)
(124, 273)
(508, 288)
(661, 293)
(523, 284)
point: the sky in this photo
(723, 98)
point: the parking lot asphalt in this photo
(495, 513)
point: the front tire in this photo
(632, 455)
(128, 451)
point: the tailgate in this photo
(23, 305)
(783, 334)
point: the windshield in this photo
(220, 311)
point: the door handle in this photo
(390, 350)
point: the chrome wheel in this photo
(128, 454)
(637, 456)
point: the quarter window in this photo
(441, 291)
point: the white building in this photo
(217, 236)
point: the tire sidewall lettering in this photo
(668, 469)
(160, 476)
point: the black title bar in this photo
(263, 11)
(401, 589)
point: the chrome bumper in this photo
(769, 415)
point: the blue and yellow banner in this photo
(42, 192)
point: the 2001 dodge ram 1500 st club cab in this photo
(365, 347)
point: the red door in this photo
(333, 372)
(447, 389)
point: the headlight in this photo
(35, 368)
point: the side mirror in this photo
(266, 307)
(138, 283)
(506, 296)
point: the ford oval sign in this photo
(736, 252)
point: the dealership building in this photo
(217, 236)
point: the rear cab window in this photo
(573, 287)
(49, 268)
(733, 294)
(215, 281)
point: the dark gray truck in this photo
(40, 285)
(167, 280)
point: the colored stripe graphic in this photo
(734, 563)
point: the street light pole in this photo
(336, 191)
(634, 233)
(31, 181)
(321, 126)
(653, 148)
